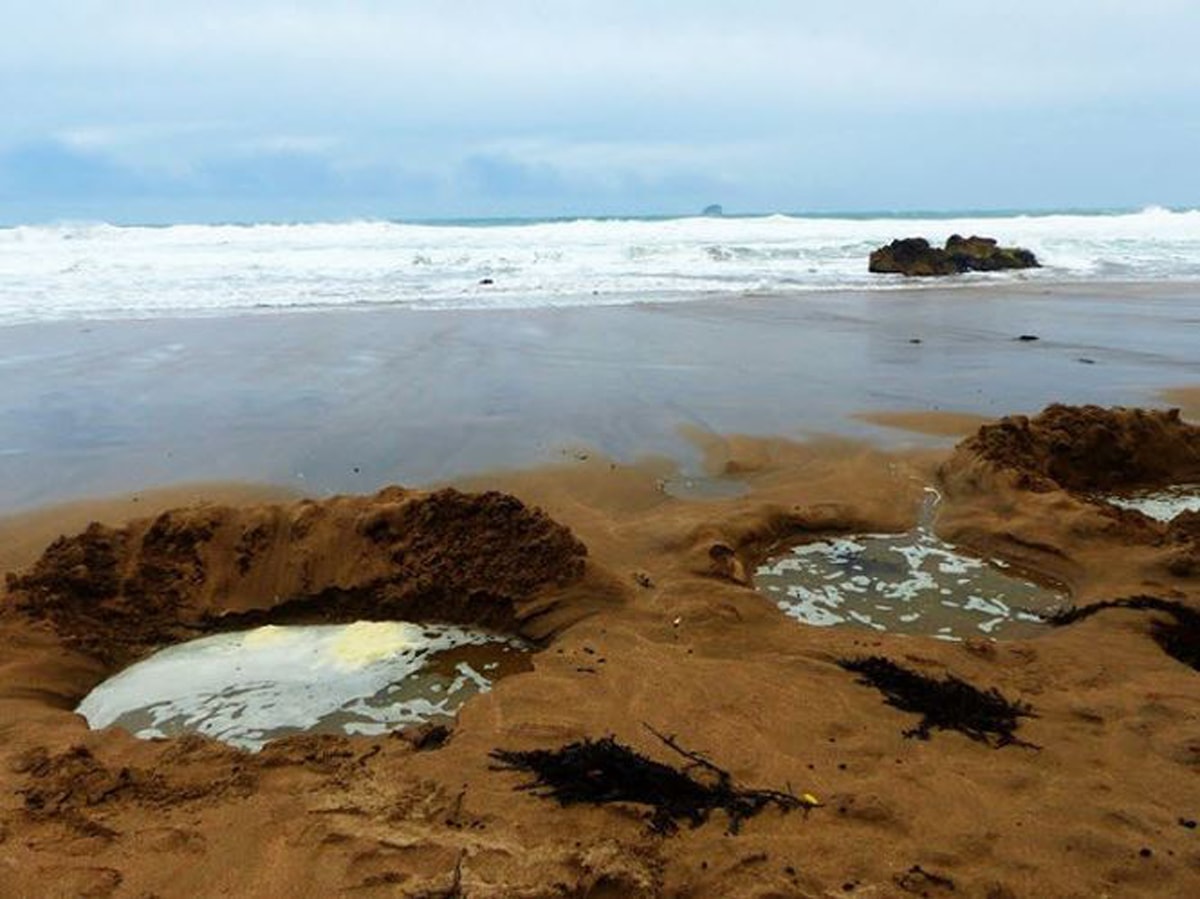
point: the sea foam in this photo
(78, 271)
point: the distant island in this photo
(713, 210)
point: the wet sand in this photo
(661, 626)
(352, 401)
(1186, 398)
(935, 424)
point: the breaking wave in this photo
(78, 271)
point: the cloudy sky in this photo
(265, 110)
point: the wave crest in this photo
(95, 269)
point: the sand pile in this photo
(447, 556)
(1089, 448)
(1032, 489)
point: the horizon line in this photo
(500, 220)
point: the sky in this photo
(259, 110)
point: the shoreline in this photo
(897, 286)
(350, 401)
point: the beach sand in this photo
(1186, 398)
(936, 424)
(590, 416)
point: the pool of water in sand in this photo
(1161, 505)
(250, 687)
(910, 583)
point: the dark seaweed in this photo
(601, 771)
(946, 704)
(1179, 638)
(917, 880)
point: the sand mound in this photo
(1088, 448)
(451, 556)
(1183, 534)
(1045, 476)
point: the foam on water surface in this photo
(1161, 505)
(249, 687)
(911, 583)
(77, 271)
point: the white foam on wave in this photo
(73, 271)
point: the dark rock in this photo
(1028, 338)
(486, 282)
(981, 254)
(914, 256)
(911, 256)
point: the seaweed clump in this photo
(1178, 638)
(598, 772)
(949, 703)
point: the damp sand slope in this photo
(350, 402)
(657, 624)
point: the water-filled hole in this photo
(249, 687)
(1161, 505)
(910, 583)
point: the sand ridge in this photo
(659, 626)
(114, 592)
(933, 422)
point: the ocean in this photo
(81, 271)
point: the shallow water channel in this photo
(910, 583)
(249, 687)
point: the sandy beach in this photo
(659, 454)
(599, 451)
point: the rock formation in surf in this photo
(914, 256)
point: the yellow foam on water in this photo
(267, 635)
(365, 642)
